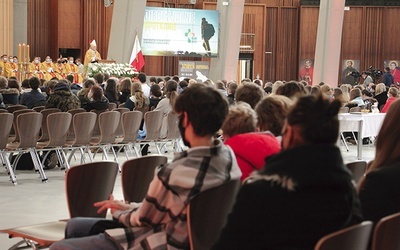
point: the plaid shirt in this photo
(159, 222)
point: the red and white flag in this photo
(137, 60)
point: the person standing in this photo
(207, 31)
(92, 55)
(387, 78)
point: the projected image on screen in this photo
(180, 32)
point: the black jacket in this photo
(299, 196)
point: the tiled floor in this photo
(34, 202)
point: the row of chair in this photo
(358, 237)
(209, 207)
(73, 131)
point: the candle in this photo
(27, 53)
(19, 51)
(23, 53)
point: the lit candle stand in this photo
(23, 61)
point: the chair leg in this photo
(104, 148)
(91, 158)
(38, 164)
(344, 141)
(10, 170)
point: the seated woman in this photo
(393, 94)
(155, 96)
(111, 91)
(166, 104)
(124, 88)
(83, 93)
(379, 191)
(355, 97)
(250, 148)
(137, 100)
(97, 100)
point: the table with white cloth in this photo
(366, 124)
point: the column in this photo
(20, 23)
(230, 29)
(127, 21)
(6, 27)
(329, 41)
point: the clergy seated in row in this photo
(10, 68)
(51, 70)
(72, 69)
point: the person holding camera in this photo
(387, 77)
(367, 78)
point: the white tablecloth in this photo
(371, 125)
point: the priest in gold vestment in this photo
(92, 55)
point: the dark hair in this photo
(25, 83)
(13, 83)
(249, 92)
(175, 78)
(97, 93)
(203, 103)
(34, 82)
(155, 90)
(99, 78)
(70, 78)
(125, 85)
(153, 79)
(111, 87)
(183, 84)
(88, 83)
(142, 77)
(317, 117)
(291, 90)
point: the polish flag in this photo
(137, 60)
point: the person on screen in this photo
(92, 55)
(306, 73)
(207, 31)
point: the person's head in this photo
(95, 93)
(136, 87)
(250, 93)
(198, 104)
(11, 59)
(380, 88)
(219, 85)
(4, 58)
(171, 91)
(49, 86)
(34, 82)
(241, 119)
(388, 139)
(307, 63)
(89, 83)
(70, 78)
(354, 93)
(111, 87)
(14, 84)
(302, 127)
(99, 78)
(15, 59)
(326, 90)
(3, 82)
(125, 85)
(293, 90)
(393, 92)
(183, 84)
(387, 69)
(276, 85)
(365, 94)
(93, 45)
(25, 84)
(48, 59)
(70, 60)
(192, 82)
(155, 90)
(175, 78)
(78, 61)
(232, 87)
(36, 60)
(271, 113)
(142, 77)
(337, 94)
(349, 64)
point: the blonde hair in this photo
(241, 119)
(136, 90)
(380, 88)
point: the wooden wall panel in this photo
(69, 22)
(308, 32)
(352, 33)
(372, 41)
(390, 34)
(270, 44)
(39, 28)
(287, 47)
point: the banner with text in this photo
(194, 70)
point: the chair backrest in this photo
(112, 106)
(15, 124)
(83, 124)
(87, 184)
(28, 125)
(96, 130)
(358, 169)
(344, 110)
(71, 133)
(108, 123)
(45, 131)
(5, 128)
(153, 120)
(58, 125)
(137, 174)
(173, 129)
(38, 108)
(3, 110)
(131, 124)
(13, 108)
(207, 214)
(120, 131)
(355, 109)
(351, 238)
(385, 235)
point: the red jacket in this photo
(251, 149)
(389, 102)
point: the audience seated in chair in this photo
(160, 222)
(166, 104)
(250, 148)
(379, 190)
(250, 93)
(97, 100)
(30, 99)
(393, 95)
(302, 193)
(10, 95)
(62, 98)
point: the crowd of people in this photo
(278, 138)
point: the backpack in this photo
(210, 29)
